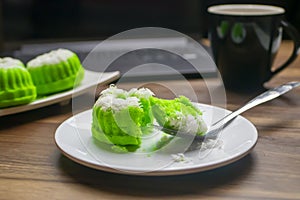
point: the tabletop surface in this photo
(32, 167)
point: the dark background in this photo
(24, 21)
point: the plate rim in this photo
(159, 172)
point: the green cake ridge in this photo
(60, 85)
(109, 126)
(58, 75)
(16, 86)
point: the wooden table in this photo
(32, 167)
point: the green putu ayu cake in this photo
(178, 114)
(16, 86)
(119, 117)
(55, 71)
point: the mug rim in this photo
(268, 9)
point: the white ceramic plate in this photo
(73, 137)
(91, 79)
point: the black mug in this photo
(245, 39)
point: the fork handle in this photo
(262, 98)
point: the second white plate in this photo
(90, 80)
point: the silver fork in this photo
(216, 127)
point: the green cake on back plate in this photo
(16, 86)
(55, 71)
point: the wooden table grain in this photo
(32, 167)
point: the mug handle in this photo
(294, 35)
